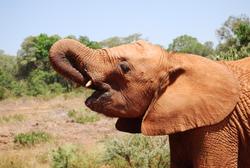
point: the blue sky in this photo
(160, 21)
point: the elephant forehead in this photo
(135, 50)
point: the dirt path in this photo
(51, 116)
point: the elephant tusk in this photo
(89, 83)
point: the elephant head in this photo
(148, 89)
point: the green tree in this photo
(34, 54)
(234, 36)
(189, 44)
(7, 72)
(86, 41)
(5, 83)
(7, 62)
(92, 44)
(115, 41)
(242, 33)
(34, 66)
(43, 83)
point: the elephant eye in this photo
(124, 66)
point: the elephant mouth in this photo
(99, 97)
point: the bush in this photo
(69, 156)
(137, 151)
(2, 93)
(232, 53)
(6, 80)
(32, 138)
(83, 116)
(43, 83)
(19, 88)
(56, 88)
(37, 84)
(129, 151)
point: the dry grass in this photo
(37, 157)
(53, 117)
(50, 156)
(83, 116)
(12, 118)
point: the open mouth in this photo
(100, 95)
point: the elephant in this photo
(202, 104)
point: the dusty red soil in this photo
(51, 116)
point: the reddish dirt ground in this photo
(51, 116)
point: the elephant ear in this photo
(195, 92)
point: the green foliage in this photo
(115, 41)
(137, 151)
(11, 118)
(234, 38)
(19, 88)
(37, 83)
(42, 83)
(188, 44)
(129, 151)
(2, 93)
(9, 86)
(7, 63)
(91, 44)
(83, 116)
(34, 71)
(5, 79)
(69, 156)
(34, 54)
(31, 138)
(242, 33)
(34, 66)
(30, 72)
(6, 83)
(227, 31)
(86, 41)
(63, 157)
(232, 53)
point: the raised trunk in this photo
(69, 57)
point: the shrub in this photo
(43, 83)
(37, 84)
(5, 79)
(70, 156)
(232, 53)
(83, 116)
(19, 88)
(2, 93)
(32, 138)
(137, 151)
(56, 88)
(5, 84)
(11, 118)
